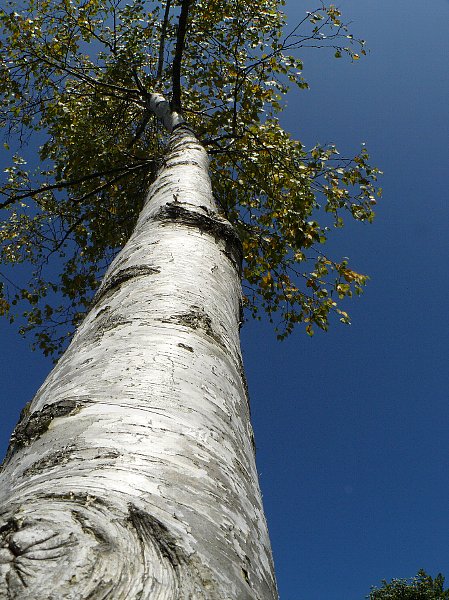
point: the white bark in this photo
(132, 475)
(159, 106)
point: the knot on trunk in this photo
(76, 548)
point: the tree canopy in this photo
(421, 587)
(83, 146)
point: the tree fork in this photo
(132, 473)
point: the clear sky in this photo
(352, 426)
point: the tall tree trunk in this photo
(132, 473)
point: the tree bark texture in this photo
(131, 475)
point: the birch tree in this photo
(132, 474)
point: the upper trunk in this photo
(132, 474)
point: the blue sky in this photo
(352, 426)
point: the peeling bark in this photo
(132, 474)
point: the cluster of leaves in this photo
(421, 587)
(71, 92)
(75, 76)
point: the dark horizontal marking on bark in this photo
(123, 275)
(32, 426)
(177, 159)
(212, 224)
(71, 454)
(196, 319)
(106, 321)
(189, 348)
(163, 181)
(53, 460)
(83, 499)
(178, 151)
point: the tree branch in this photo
(160, 64)
(140, 130)
(64, 184)
(75, 72)
(177, 60)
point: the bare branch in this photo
(177, 60)
(160, 64)
(140, 130)
(68, 183)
